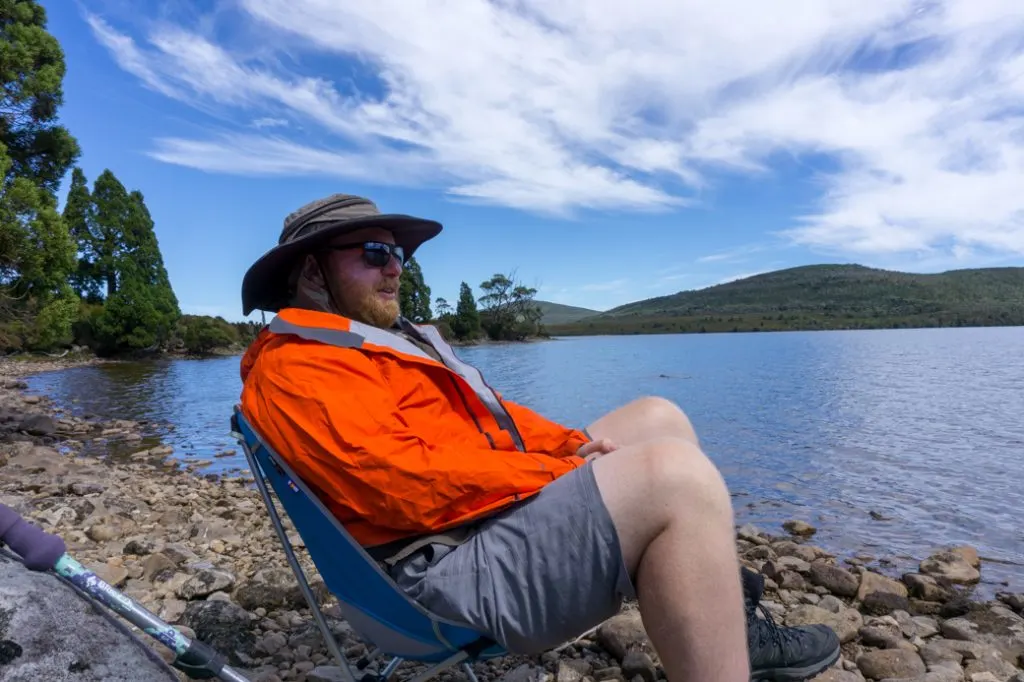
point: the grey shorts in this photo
(535, 575)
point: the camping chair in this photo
(373, 605)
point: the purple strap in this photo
(40, 550)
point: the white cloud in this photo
(732, 255)
(554, 106)
(243, 154)
(270, 122)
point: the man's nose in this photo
(394, 267)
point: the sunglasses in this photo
(375, 254)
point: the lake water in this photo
(922, 427)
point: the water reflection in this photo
(184, 403)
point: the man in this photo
(484, 511)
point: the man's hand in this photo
(596, 448)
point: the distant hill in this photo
(556, 313)
(823, 297)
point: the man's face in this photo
(363, 292)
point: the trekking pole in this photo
(42, 551)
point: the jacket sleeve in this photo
(346, 433)
(543, 434)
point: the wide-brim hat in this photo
(266, 283)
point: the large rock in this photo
(205, 582)
(224, 626)
(1014, 601)
(881, 603)
(799, 528)
(1000, 628)
(891, 663)
(49, 632)
(38, 425)
(846, 624)
(992, 663)
(952, 565)
(835, 579)
(270, 588)
(871, 583)
(623, 633)
(926, 587)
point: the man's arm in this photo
(542, 434)
(337, 419)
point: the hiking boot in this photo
(783, 654)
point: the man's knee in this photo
(661, 416)
(677, 467)
(651, 484)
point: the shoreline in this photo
(200, 552)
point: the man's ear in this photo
(311, 271)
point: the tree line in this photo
(506, 311)
(91, 275)
(757, 322)
(811, 297)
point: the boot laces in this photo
(778, 634)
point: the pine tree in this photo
(80, 218)
(414, 294)
(107, 241)
(142, 311)
(466, 323)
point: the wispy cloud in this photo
(558, 106)
(270, 122)
(732, 255)
(262, 155)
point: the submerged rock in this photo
(953, 566)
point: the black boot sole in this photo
(795, 674)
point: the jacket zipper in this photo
(465, 403)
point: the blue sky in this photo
(605, 152)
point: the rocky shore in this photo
(201, 553)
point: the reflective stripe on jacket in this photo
(396, 443)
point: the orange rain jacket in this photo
(394, 442)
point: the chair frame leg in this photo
(390, 668)
(429, 673)
(468, 669)
(318, 616)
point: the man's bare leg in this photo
(644, 419)
(674, 520)
(810, 649)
